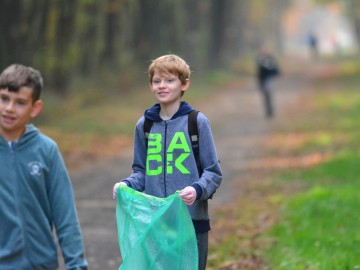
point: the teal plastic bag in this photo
(154, 233)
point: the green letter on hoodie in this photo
(174, 144)
(154, 150)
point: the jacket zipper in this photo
(165, 159)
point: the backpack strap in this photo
(194, 137)
(147, 127)
(193, 133)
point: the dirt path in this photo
(238, 125)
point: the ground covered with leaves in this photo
(300, 169)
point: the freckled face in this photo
(167, 87)
(16, 108)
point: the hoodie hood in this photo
(154, 112)
(30, 132)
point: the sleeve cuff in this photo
(198, 189)
(126, 182)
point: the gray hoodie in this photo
(169, 165)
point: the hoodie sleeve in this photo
(137, 179)
(212, 175)
(64, 213)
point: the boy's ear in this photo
(37, 106)
(150, 88)
(186, 85)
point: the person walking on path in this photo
(36, 195)
(168, 164)
(313, 45)
(267, 69)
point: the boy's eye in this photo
(165, 80)
(21, 102)
(4, 99)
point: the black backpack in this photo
(193, 133)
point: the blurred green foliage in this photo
(318, 228)
(81, 39)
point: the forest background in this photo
(93, 55)
(111, 42)
(96, 40)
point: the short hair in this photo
(16, 76)
(172, 64)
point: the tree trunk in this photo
(217, 30)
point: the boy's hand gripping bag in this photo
(154, 233)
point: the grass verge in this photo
(319, 223)
(302, 213)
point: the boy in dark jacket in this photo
(36, 195)
(168, 164)
(267, 69)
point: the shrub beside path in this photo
(239, 129)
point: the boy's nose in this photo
(10, 106)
